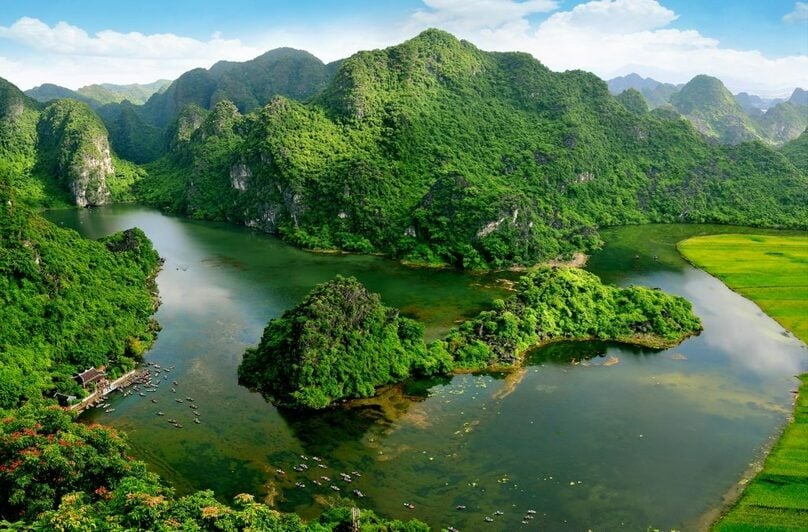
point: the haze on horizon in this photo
(752, 46)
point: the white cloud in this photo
(69, 56)
(477, 14)
(607, 37)
(614, 37)
(66, 39)
(800, 14)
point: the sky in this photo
(756, 46)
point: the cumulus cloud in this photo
(616, 37)
(607, 37)
(477, 14)
(799, 14)
(67, 55)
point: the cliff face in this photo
(75, 147)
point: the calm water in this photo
(654, 440)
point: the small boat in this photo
(189, 399)
(193, 406)
(141, 394)
(325, 478)
(174, 383)
(460, 507)
(154, 400)
(178, 425)
(108, 410)
(358, 494)
(280, 471)
(196, 420)
(315, 458)
(531, 512)
(314, 480)
(489, 519)
(409, 505)
(335, 488)
(499, 512)
(300, 485)
(356, 473)
(160, 413)
(178, 400)
(172, 421)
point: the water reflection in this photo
(654, 438)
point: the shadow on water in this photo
(566, 353)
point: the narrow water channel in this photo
(655, 439)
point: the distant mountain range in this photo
(98, 95)
(717, 114)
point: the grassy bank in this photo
(772, 271)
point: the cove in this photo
(654, 440)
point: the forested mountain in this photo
(58, 153)
(138, 132)
(434, 151)
(47, 92)
(136, 93)
(656, 93)
(712, 109)
(719, 115)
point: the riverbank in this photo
(772, 272)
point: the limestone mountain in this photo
(435, 151)
(136, 93)
(755, 105)
(47, 92)
(295, 74)
(656, 93)
(57, 153)
(713, 111)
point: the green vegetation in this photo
(772, 272)
(58, 155)
(142, 133)
(436, 152)
(712, 109)
(552, 304)
(341, 342)
(59, 475)
(136, 93)
(797, 151)
(67, 303)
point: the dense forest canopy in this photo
(341, 342)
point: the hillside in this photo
(797, 151)
(434, 151)
(58, 153)
(47, 92)
(713, 111)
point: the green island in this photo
(340, 342)
(772, 271)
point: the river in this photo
(655, 440)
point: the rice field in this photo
(772, 271)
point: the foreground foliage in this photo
(772, 272)
(341, 342)
(68, 303)
(56, 474)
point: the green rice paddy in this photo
(772, 271)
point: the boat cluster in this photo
(323, 480)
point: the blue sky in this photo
(756, 45)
